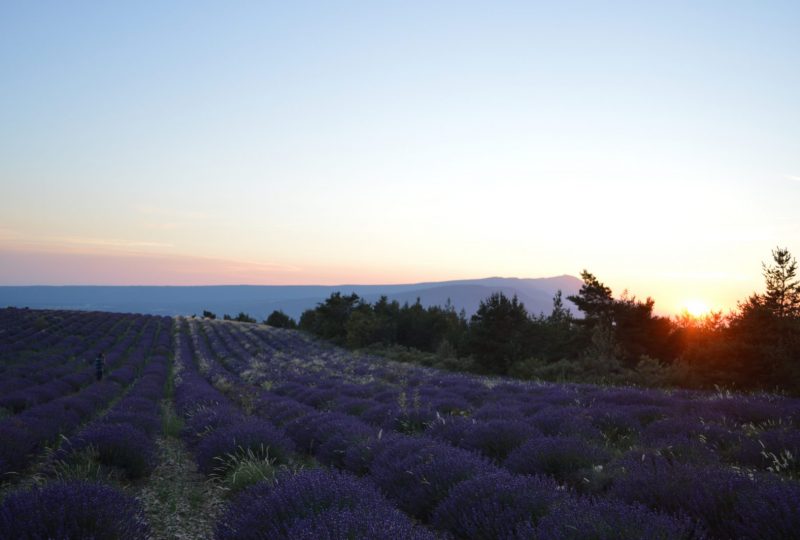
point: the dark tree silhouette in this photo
(499, 333)
(782, 296)
(279, 319)
(594, 300)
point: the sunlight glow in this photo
(697, 308)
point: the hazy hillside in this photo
(259, 300)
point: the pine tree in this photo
(782, 296)
(594, 300)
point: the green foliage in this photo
(329, 319)
(498, 333)
(653, 373)
(782, 296)
(618, 340)
(83, 465)
(557, 335)
(362, 328)
(279, 319)
(244, 468)
(538, 369)
(594, 300)
(760, 347)
(209, 315)
(350, 321)
(628, 324)
(244, 317)
(171, 423)
(399, 353)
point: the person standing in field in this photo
(99, 365)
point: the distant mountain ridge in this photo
(260, 300)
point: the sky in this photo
(655, 144)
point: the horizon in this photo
(695, 308)
(275, 144)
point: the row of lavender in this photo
(429, 480)
(465, 457)
(703, 460)
(46, 355)
(77, 500)
(291, 503)
(26, 434)
(751, 432)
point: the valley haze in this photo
(261, 300)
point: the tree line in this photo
(617, 339)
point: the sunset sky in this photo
(395, 142)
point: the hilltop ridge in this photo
(260, 300)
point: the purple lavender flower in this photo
(603, 519)
(312, 501)
(494, 505)
(254, 435)
(495, 439)
(417, 473)
(117, 445)
(728, 503)
(560, 457)
(65, 510)
(352, 523)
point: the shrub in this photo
(768, 510)
(255, 435)
(412, 421)
(245, 468)
(334, 449)
(207, 419)
(776, 450)
(450, 428)
(729, 504)
(603, 519)
(493, 505)
(15, 449)
(117, 445)
(560, 457)
(558, 420)
(417, 473)
(352, 523)
(280, 410)
(45, 422)
(279, 319)
(148, 422)
(310, 501)
(497, 438)
(327, 435)
(617, 426)
(62, 510)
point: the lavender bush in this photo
(604, 519)
(71, 510)
(417, 473)
(118, 445)
(495, 505)
(560, 457)
(255, 435)
(331, 504)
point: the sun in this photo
(696, 308)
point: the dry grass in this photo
(180, 503)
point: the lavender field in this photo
(215, 429)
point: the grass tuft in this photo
(244, 468)
(171, 423)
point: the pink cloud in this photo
(29, 267)
(20, 266)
